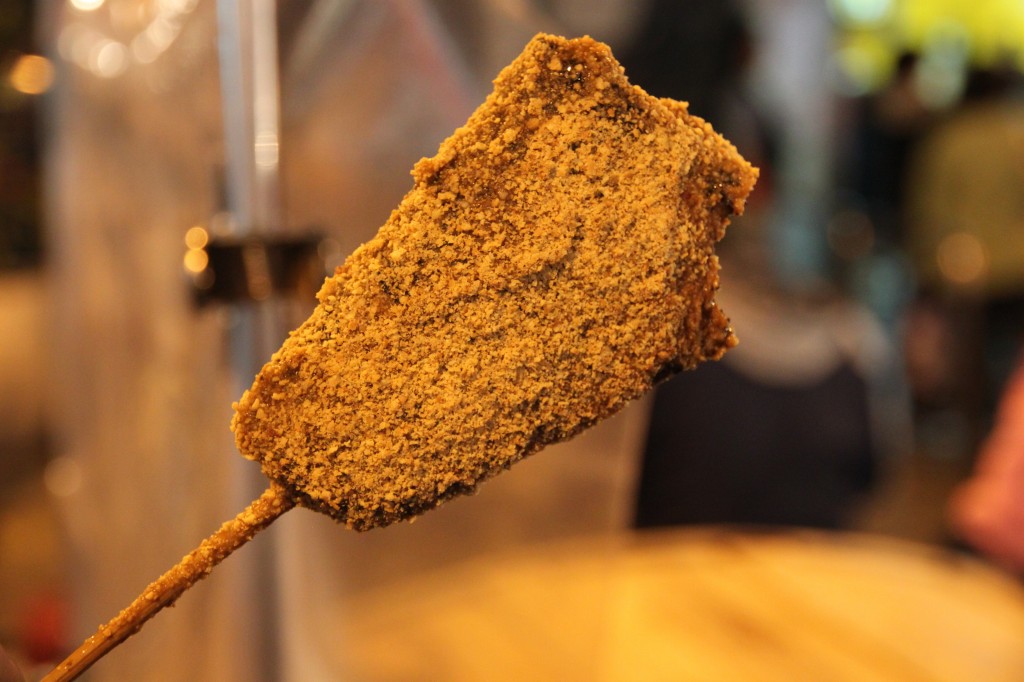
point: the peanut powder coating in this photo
(553, 261)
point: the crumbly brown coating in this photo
(553, 261)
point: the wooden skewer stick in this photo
(167, 588)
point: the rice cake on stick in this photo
(552, 262)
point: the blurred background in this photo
(875, 283)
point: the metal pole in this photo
(250, 94)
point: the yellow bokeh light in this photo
(865, 59)
(31, 74)
(962, 259)
(197, 237)
(196, 260)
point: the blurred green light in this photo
(863, 12)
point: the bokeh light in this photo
(87, 5)
(197, 237)
(31, 74)
(861, 12)
(962, 259)
(949, 35)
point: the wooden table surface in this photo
(700, 604)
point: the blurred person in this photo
(867, 231)
(964, 211)
(785, 429)
(987, 510)
(671, 55)
(890, 125)
(780, 432)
